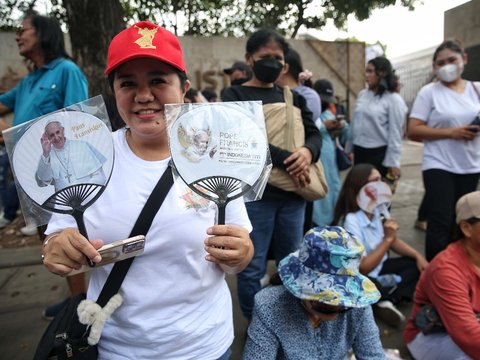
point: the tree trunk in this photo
(92, 24)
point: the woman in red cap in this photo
(176, 303)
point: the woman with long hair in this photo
(442, 117)
(378, 119)
(379, 236)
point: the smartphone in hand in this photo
(116, 251)
(475, 121)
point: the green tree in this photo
(92, 23)
(222, 17)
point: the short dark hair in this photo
(451, 45)
(262, 37)
(384, 70)
(50, 35)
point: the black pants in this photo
(442, 190)
(372, 156)
(406, 267)
(422, 210)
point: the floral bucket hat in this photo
(325, 269)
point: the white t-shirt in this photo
(176, 304)
(441, 107)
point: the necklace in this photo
(63, 157)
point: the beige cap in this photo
(468, 206)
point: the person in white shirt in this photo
(176, 302)
(379, 236)
(68, 162)
(377, 124)
(441, 116)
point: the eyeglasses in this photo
(21, 30)
(325, 309)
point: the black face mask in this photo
(267, 70)
(238, 81)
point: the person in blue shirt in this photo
(54, 83)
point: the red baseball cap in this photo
(145, 39)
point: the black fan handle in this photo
(221, 213)
(78, 216)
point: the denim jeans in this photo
(279, 223)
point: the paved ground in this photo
(26, 290)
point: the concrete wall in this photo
(207, 57)
(460, 23)
(463, 23)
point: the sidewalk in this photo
(26, 290)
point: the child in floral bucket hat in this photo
(323, 308)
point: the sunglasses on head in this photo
(327, 309)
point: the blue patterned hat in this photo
(325, 269)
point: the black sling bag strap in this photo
(141, 227)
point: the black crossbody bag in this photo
(66, 337)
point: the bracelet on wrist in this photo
(50, 237)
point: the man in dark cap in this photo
(239, 73)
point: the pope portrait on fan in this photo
(67, 162)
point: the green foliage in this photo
(230, 17)
(7, 21)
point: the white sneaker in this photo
(4, 222)
(387, 312)
(29, 230)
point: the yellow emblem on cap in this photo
(145, 42)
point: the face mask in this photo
(238, 82)
(267, 70)
(450, 72)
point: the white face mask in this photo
(450, 72)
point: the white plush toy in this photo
(91, 314)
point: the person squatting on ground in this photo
(442, 116)
(176, 302)
(279, 216)
(67, 162)
(377, 124)
(451, 283)
(379, 237)
(322, 310)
